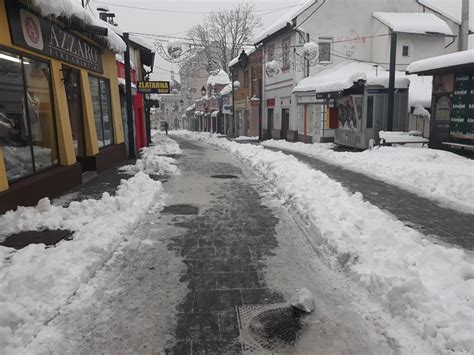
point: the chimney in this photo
(464, 30)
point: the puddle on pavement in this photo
(181, 210)
(224, 176)
(47, 237)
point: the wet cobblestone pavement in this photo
(445, 224)
(223, 248)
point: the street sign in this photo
(153, 87)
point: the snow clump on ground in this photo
(152, 160)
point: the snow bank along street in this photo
(435, 174)
(36, 281)
(428, 285)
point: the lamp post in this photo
(203, 91)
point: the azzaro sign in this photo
(40, 35)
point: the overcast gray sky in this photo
(177, 24)
(168, 22)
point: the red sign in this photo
(270, 102)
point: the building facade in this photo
(59, 105)
(345, 31)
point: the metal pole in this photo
(464, 29)
(233, 102)
(391, 80)
(260, 110)
(128, 92)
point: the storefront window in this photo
(100, 91)
(27, 127)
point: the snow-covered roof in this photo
(420, 90)
(342, 76)
(73, 9)
(443, 61)
(221, 78)
(122, 82)
(451, 9)
(413, 22)
(248, 50)
(282, 22)
(226, 90)
(190, 108)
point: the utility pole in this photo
(464, 29)
(391, 80)
(128, 94)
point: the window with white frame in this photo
(325, 49)
(406, 50)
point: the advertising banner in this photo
(35, 33)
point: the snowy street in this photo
(223, 241)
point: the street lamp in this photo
(243, 60)
(203, 91)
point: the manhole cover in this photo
(224, 176)
(272, 328)
(47, 237)
(181, 210)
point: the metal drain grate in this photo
(224, 176)
(181, 210)
(270, 328)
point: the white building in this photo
(346, 31)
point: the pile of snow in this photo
(420, 91)
(220, 78)
(303, 300)
(413, 22)
(443, 61)
(435, 174)
(152, 160)
(422, 284)
(344, 75)
(421, 111)
(36, 281)
(72, 9)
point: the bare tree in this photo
(222, 35)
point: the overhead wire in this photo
(182, 11)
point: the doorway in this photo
(285, 122)
(72, 83)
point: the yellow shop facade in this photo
(59, 104)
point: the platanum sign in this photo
(37, 34)
(153, 87)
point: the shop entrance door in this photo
(285, 122)
(72, 83)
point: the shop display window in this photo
(27, 124)
(100, 91)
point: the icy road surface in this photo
(174, 286)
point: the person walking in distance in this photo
(166, 127)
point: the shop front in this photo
(452, 110)
(59, 113)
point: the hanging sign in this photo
(462, 112)
(46, 37)
(153, 87)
